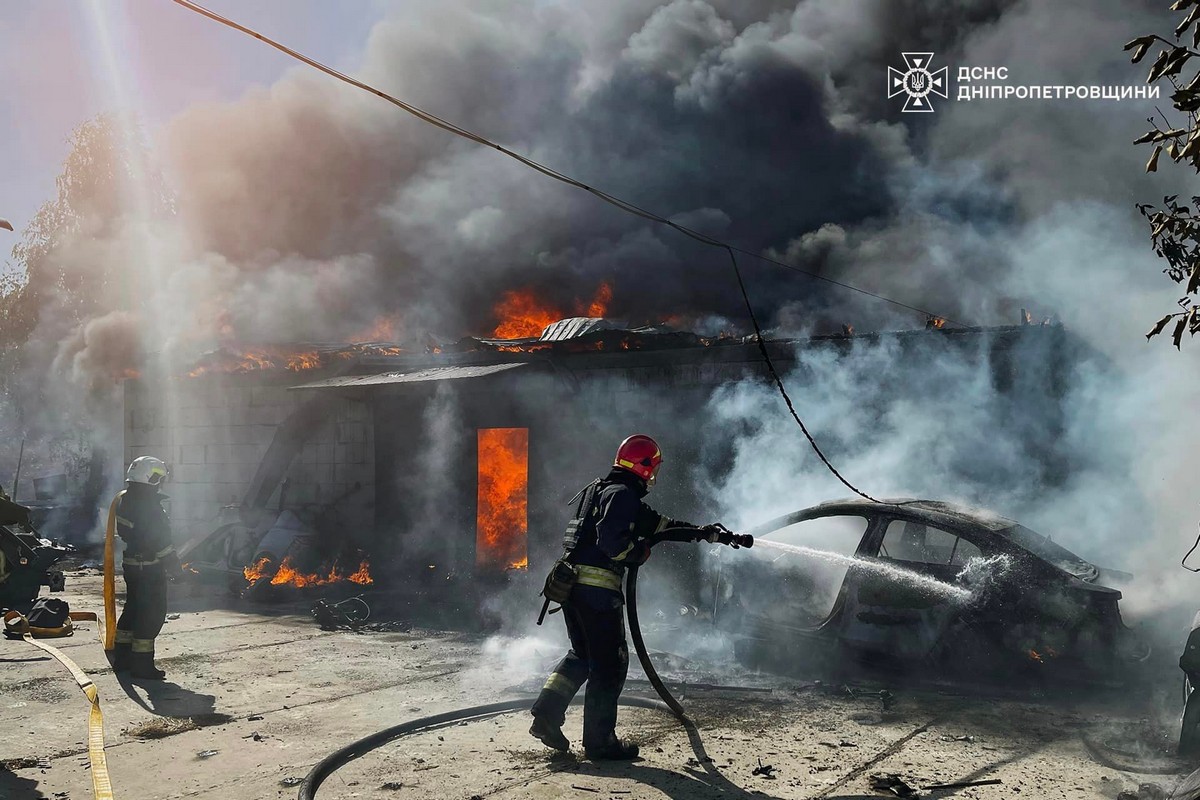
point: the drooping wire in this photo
(613, 200)
(762, 348)
(1188, 554)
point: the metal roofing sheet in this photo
(574, 327)
(427, 375)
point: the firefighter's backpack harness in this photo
(565, 572)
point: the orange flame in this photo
(363, 576)
(523, 314)
(599, 305)
(1035, 656)
(502, 515)
(257, 570)
(257, 359)
(288, 575)
(385, 328)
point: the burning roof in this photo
(346, 364)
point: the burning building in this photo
(463, 456)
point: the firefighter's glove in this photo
(718, 533)
(639, 555)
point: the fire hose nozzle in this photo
(742, 540)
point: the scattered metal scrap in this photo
(765, 770)
(963, 784)
(894, 784)
(890, 782)
(352, 614)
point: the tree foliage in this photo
(1175, 225)
(105, 157)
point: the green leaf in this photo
(1194, 279)
(1158, 326)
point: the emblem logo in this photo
(918, 82)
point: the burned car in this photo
(924, 587)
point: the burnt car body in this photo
(922, 586)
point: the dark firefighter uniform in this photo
(609, 539)
(149, 560)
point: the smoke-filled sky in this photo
(306, 210)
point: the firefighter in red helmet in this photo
(607, 533)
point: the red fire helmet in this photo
(640, 455)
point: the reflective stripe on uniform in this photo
(598, 576)
(124, 637)
(135, 562)
(122, 521)
(621, 556)
(561, 684)
(143, 645)
(165, 551)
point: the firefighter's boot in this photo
(549, 734)
(119, 657)
(612, 750)
(141, 665)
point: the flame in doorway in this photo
(502, 516)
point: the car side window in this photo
(905, 540)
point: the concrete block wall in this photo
(214, 430)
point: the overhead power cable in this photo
(624, 205)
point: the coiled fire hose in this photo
(339, 758)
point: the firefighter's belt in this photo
(17, 624)
(599, 577)
(141, 561)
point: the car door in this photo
(791, 581)
(901, 598)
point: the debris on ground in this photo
(393, 786)
(1146, 791)
(207, 753)
(291, 781)
(764, 770)
(890, 782)
(352, 615)
(162, 727)
(966, 784)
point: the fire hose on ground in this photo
(339, 758)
